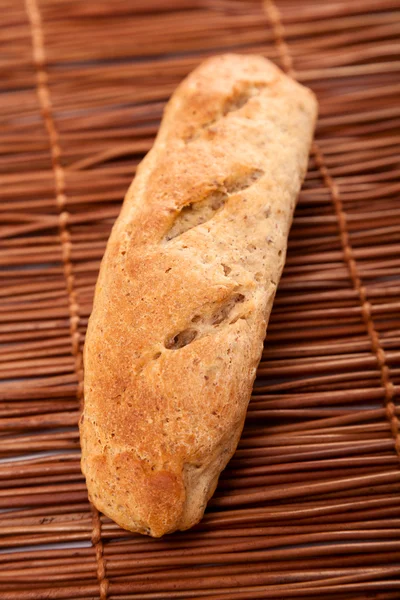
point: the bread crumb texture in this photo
(185, 291)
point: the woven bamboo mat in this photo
(309, 505)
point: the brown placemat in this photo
(309, 505)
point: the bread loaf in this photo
(185, 291)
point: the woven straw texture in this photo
(309, 505)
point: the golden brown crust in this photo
(185, 291)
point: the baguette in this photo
(185, 291)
